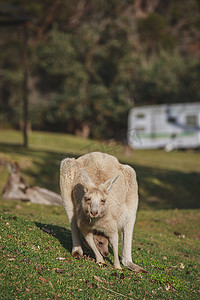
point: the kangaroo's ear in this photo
(109, 183)
(86, 180)
(13, 167)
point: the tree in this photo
(20, 20)
(85, 75)
(91, 60)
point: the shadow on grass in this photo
(167, 189)
(61, 233)
(158, 188)
(45, 163)
(64, 237)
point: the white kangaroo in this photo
(100, 194)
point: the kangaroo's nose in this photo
(94, 213)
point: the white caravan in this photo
(168, 126)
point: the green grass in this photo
(166, 239)
(29, 268)
(166, 180)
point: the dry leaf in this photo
(11, 259)
(43, 279)
(101, 279)
(180, 235)
(167, 287)
(60, 258)
(60, 271)
(97, 278)
(182, 266)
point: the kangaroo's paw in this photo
(101, 262)
(137, 269)
(77, 252)
(118, 267)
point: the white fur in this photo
(100, 194)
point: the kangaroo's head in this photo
(101, 243)
(94, 201)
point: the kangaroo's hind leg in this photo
(67, 173)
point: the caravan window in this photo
(140, 116)
(191, 121)
(171, 119)
(140, 129)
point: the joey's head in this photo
(101, 243)
(94, 201)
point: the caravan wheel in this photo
(169, 147)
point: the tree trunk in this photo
(25, 88)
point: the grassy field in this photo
(166, 180)
(35, 240)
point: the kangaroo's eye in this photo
(100, 243)
(87, 199)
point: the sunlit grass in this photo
(166, 242)
(166, 180)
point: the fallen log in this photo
(16, 188)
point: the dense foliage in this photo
(91, 60)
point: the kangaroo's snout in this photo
(94, 213)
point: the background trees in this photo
(90, 61)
